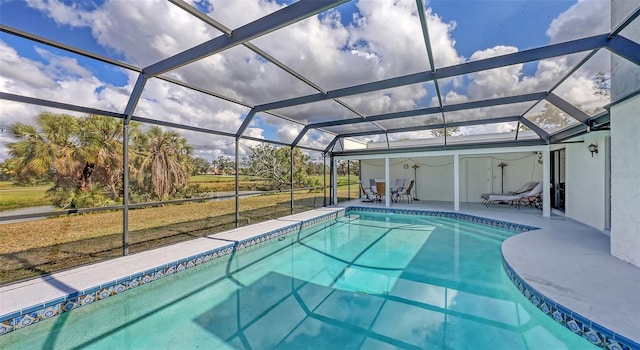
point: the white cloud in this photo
(384, 40)
(585, 18)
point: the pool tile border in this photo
(596, 334)
(448, 214)
(36, 313)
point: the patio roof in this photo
(359, 87)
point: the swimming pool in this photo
(367, 280)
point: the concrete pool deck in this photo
(566, 261)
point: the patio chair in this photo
(369, 196)
(525, 188)
(514, 198)
(372, 185)
(396, 188)
(406, 192)
(380, 191)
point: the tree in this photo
(164, 161)
(450, 131)
(71, 152)
(315, 168)
(101, 138)
(224, 165)
(602, 84)
(345, 166)
(272, 164)
(46, 151)
(200, 166)
(551, 117)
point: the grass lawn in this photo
(15, 197)
(38, 247)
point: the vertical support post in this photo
(125, 188)
(387, 188)
(334, 182)
(348, 180)
(324, 179)
(291, 179)
(456, 182)
(237, 187)
(546, 182)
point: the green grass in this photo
(15, 197)
(73, 240)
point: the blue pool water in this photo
(366, 281)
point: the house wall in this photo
(481, 174)
(585, 190)
(625, 181)
(434, 174)
(625, 147)
(435, 178)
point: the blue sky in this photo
(332, 52)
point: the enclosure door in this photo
(558, 179)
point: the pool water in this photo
(364, 281)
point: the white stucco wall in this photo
(435, 175)
(625, 180)
(585, 180)
(481, 174)
(625, 144)
(435, 178)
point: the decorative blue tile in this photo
(23, 321)
(575, 326)
(135, 282)
(5, 327)
(594, 337)
(70, 305)
(86, 299)
(104, 293)
(119, 288)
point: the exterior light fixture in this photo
(593, 149)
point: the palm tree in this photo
(165, 161)
(102, 147)
(48, 153)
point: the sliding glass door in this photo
(558, 174)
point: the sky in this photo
(355, 43)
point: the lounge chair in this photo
(525, 188)
(514, 198)
(369, 196)
(406, 192)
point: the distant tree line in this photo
(82, 157)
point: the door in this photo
(558, 174)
